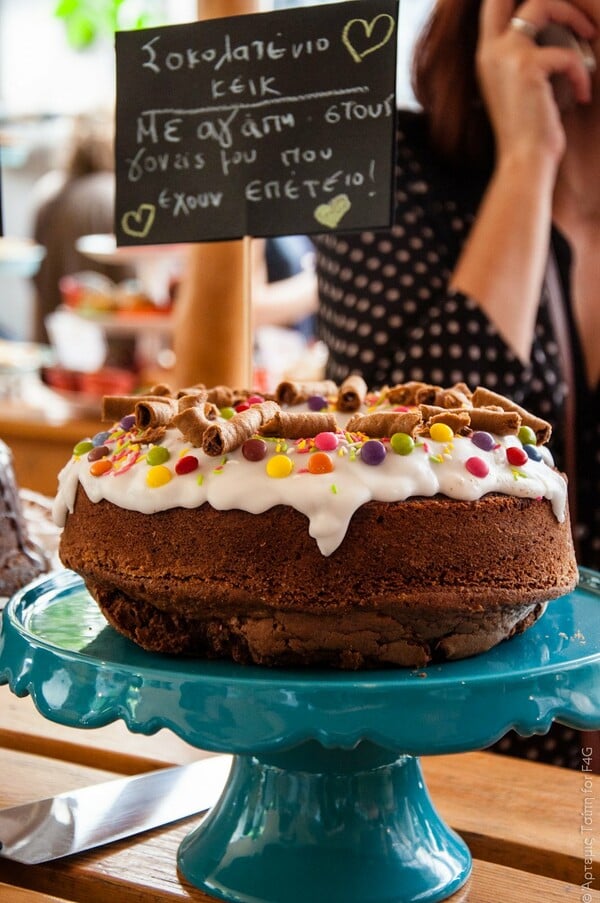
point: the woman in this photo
(462, 286)
(490, 272)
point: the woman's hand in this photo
(514, 74)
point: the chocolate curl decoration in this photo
(484, 398)
(193, 421)
(197, 399)
(458, 396)
(157, 412)
(290, 393)
(152, 436)
(502, 423)
(386, 423)
(406, 393)
(199, 389)
(161, 389)
(287, 425)
(223, 437)
(114, 407)
(352, 394)
(222, 396)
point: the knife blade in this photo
(81, 819)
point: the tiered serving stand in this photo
(325, 801)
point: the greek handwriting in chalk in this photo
(263, 124)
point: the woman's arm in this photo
(284, 302)
(503, 262)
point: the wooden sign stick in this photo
(247, 341)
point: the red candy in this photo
(186, 465)
(477, 466)
(242, 406)
(516, 456)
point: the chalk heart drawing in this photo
(367, 37)
(138, 223)
(332, 213)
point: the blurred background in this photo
(78, 317)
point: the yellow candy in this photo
(159, 475)
(440, 432)
(279, 466)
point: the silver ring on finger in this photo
(524, 27)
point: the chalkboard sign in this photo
(266, 124)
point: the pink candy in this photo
(326, 441)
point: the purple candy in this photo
(484, 441)
(373, 452)
(127, 422)
(317, 403)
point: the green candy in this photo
(227, 413)
(158, 454)
(83, 447)
(527, 436)
(402, 443)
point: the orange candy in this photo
(100, 467)
(320, 462)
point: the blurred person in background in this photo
(68, 204)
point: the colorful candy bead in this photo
(317, 403)
(98, 452)
(402, 443)
(187, 464)
(227, 413)
(158, 454)
(158, 476)
(326, 441)
(516, 456)
(242, 406)
(100, 438)
(320, 462)
(441, 432)
(255, 399)
(373, 452)
(484, 441)
(527, 436)
(533, 452)
(83, 447)
(279, 466)
(254, 449)
(98, 468)
(127, 422)
(477, 467)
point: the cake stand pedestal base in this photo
(327, 826)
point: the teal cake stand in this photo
(326, 801)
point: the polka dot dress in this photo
(386, 312)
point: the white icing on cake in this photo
(328, 500)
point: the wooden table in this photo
(521, 820)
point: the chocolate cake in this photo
(20, 559)
(320, 527)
